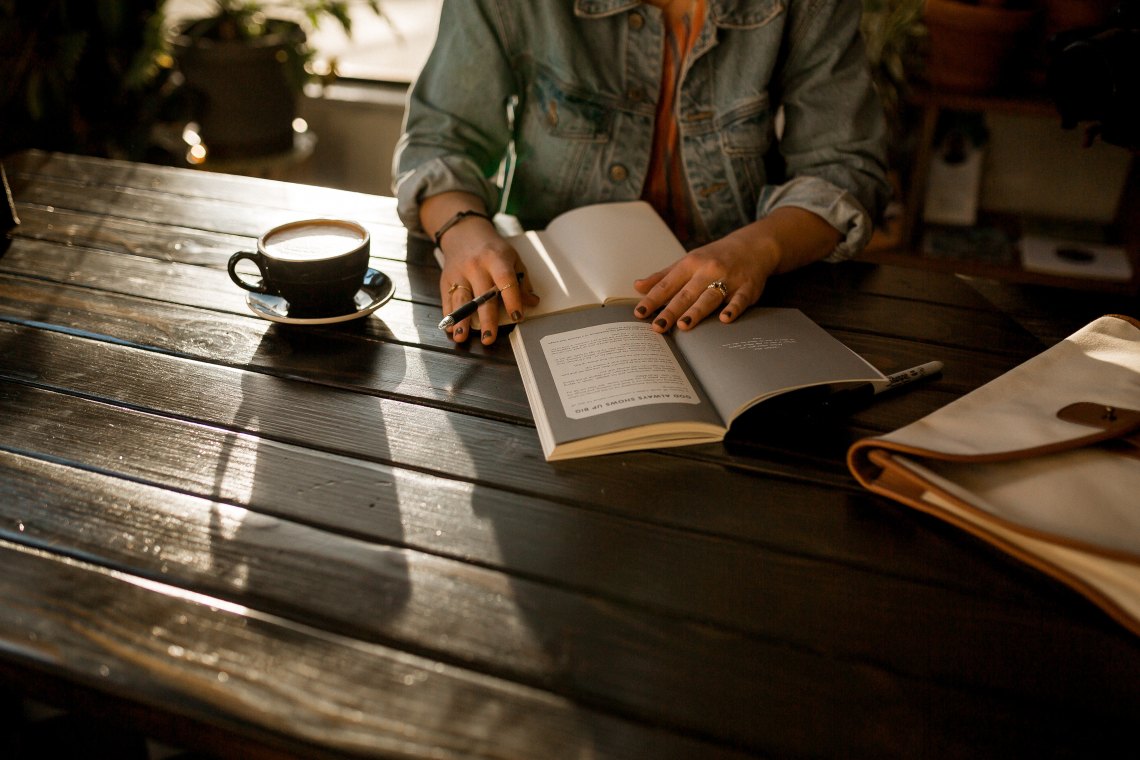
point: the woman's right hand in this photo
(476, 258)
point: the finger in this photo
(663, 292)
(479, 283)
(488, 313)
(452, 294)
(460, 331)
(739, 302)
(644, 284)
(707, 302)
(489, 321)
(511, 291)
(509, 299)
(503, 274)
(681, 303)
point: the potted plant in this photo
(245, 66)
(81, 76)
(974, 43)
(894, 34)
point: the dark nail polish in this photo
(640, 311)
(727, 314)
(661, 323)
(458, 330)
(486, 335)
(516, 316)
(686, 320)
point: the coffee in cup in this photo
(317, 265)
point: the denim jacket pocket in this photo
(566, 113)
(563, 133)
(746, 135)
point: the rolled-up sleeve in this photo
(456, 129)
(834, 138)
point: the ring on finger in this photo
(719, 285)
(456, 286)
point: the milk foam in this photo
(312, 242)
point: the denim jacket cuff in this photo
(440, 175)
(836, 206)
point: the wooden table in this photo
(263, 540)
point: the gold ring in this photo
(719, 285)
(508, 286)
(456, 286)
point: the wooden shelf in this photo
(1006, 273)
(1027, 104)
(900, 242)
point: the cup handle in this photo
(256, 259)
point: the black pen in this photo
(907, 376)
(848, 400)
(469, 308)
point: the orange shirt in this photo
(665, 183)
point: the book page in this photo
(559, 287)
(765, 352)
(610, 245)
(598, 392)
(603, 368)
(590, 256)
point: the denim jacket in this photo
(572, 84)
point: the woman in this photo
(673, 101)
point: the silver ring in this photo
(719, 285)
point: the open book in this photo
(1042, 462)
(601, 381)
(590, 256)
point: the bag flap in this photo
(1016, 415)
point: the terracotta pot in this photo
(1073, 14)
(975, 48)
(244, 101)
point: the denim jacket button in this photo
(618, 173)
(636, 21)
(636, 94)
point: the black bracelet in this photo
(459, 217)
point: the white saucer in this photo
(376, 290)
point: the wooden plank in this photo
(357, 358)
(612, 657)
(208, 289)
(836, 303)
(298, 690)
(923, 286)
(156, 274)
(168, 242)
(32, 167)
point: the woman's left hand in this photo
(731, 272)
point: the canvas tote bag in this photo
(1043, 462)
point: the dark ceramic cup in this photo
(317, 265)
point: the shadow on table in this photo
(335, 552)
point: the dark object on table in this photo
(8, 218)
(1092, 77)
